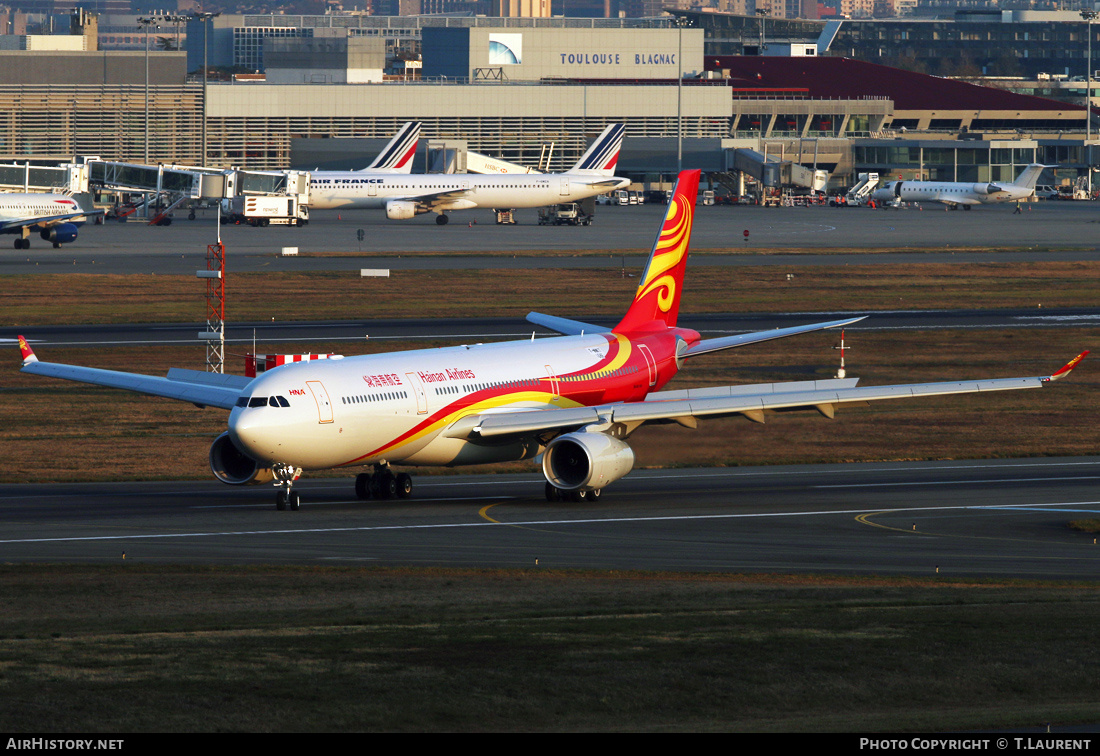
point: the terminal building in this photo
(327, 97)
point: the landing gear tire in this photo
(441, 220)
(403, 485)
(362, 486)
(287, 500)
(552, 492)
(383, 484)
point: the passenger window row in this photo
(367, 398)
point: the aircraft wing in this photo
(685, 407)
(44, 220)
(454, 199)
(185, 385)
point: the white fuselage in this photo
(17, 206)
(951, 192)
(394, 407)
(349, 189)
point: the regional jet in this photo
(404, 197)
(569, 402)
(957, 194)
(56, 217)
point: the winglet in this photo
(1069, 366)
(27, 352)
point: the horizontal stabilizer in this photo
(564, 325)
(706, 346)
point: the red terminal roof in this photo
(849, 79)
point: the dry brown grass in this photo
(78, 298)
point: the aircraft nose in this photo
(252, 431)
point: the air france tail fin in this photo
(603, 155)
(1029, 176)
(397, 157)
(657, 301)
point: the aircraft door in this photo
(372, 190)
(650, 363)
(564, 186)
(418, 389)
(553, 378)
(324, 406)
(897, 189)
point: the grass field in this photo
(162, 648)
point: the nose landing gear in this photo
(285, 475)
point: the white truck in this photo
(265, 210)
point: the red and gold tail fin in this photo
(657, 301)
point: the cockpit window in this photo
(257, 401)
(281, 400)
(242, 401)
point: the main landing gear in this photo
(441, 220)
(553, 493)
(383, 484)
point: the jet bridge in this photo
(169, 186)
(775, 175)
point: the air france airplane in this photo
(959, 193)
(56, 217)
(404, 197)
(570, 402)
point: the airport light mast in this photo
(1088, 16)
(205, 18)
(146, 23)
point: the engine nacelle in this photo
(586, 461)
(62, 233)
(230, 465)
(401, 210)
(986, 189)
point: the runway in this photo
(411, 330)
(989, 518)
(1055, 231)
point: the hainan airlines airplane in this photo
(56, 217)
(569, 402)
(959, 193)
(404, 197)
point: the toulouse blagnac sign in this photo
(507, 49)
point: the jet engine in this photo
(586, 461)
(62, 233)
(230, 465)
(986, 189)
(401, 210)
